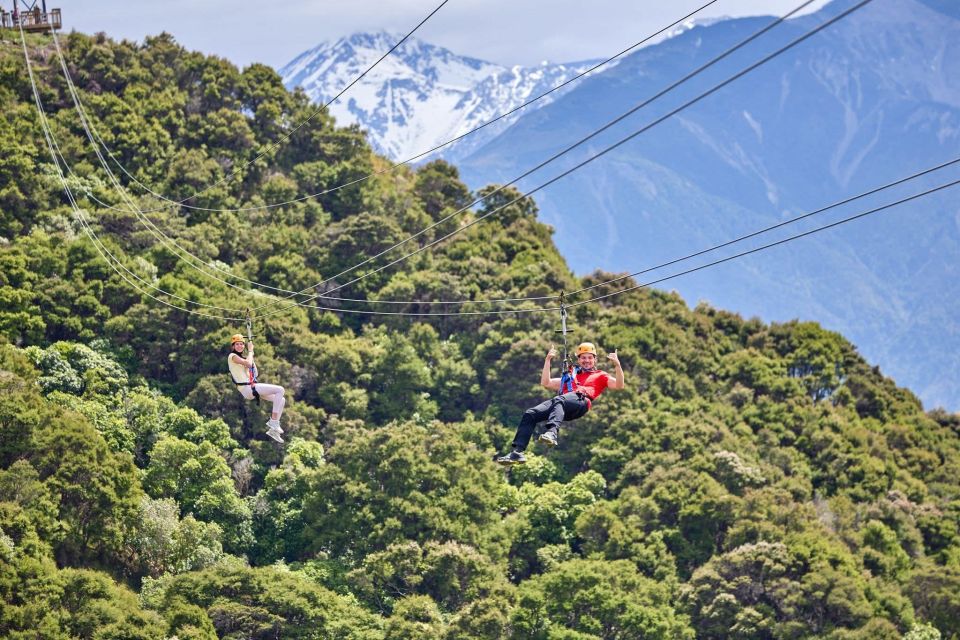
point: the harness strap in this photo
(568, 380)
(252, 383)
(253, 389)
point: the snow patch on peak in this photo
(421, 95)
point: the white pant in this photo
(271, 392)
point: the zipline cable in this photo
(396, 165)
(738, 255)
(594, 299)
(672, 276)
(192, 260)
(688, 256)
(305, 291)
(576, 167)
(105, 252)
(772, 227)
(165, 240)
(684, 258)
(180, 250)
(772, 244)
(102, 248)
(543, 164)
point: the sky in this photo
(508, 32)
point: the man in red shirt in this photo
(589, 383)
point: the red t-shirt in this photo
(592, 383)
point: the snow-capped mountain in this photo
(421, 95)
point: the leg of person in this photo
(569, 407)
(529, 420)
(247, 393)
(554, 418)
(574, 407)
(275, 394)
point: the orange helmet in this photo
(237, 337)
(586, 347)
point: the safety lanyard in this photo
(567, 377)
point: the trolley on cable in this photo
(30, 17)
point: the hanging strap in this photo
(568, 381)
(566, 378)
(252, 371)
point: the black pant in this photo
(557, 409)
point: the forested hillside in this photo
(752, 481)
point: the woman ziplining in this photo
(579, 387)
(243, 370)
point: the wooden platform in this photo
(32, 20)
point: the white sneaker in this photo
(275, 435)
(274, 425)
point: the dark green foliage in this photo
(198, 478)
(241, 602)
(70, 603)
(96, 490)
(766, 590)
(404, 482)
(597, 600)
(935, 592)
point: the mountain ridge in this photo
(422, 94)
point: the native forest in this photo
(753, 480)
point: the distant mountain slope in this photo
(871, 99)
(421, 95)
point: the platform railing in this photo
(34, 20)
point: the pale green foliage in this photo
(252, 602)
(278, 509)
(200, 481)
(592, 598)
(922, 632)
(163, 543)
(77, 369)
(734, 473)
(882, 551)
(104, 414)
(414, 617)
(452, 574)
